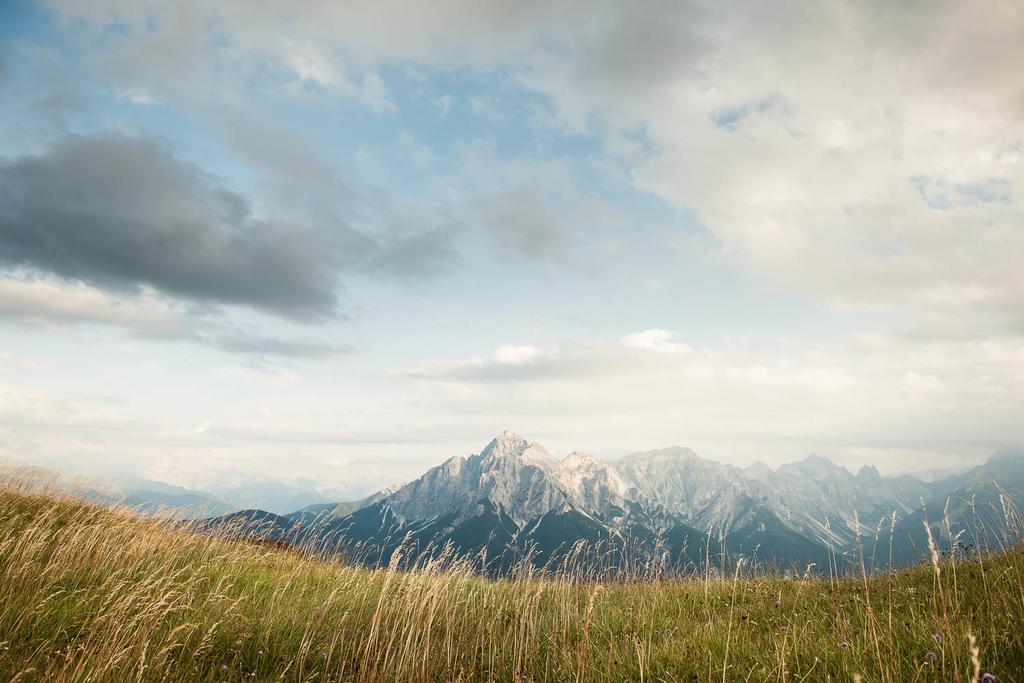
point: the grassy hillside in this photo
(93, 594)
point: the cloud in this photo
(516, 355)
(756, 398)
(419, 152)
(803, 152)
(864, 176)
(271, 346)
(509, 363)
(37, 302)
(285, 155)
(533, 208)
(444, 103)
(661, 341)
(639, 354)
(524, 219)
(144, 316)
(81, 432)
(123, 213)
(413, 246)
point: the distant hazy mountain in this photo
(976, 510)
(514, 499)
(274, 495)
(149, 496)
(278, 496)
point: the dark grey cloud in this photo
(122, 212)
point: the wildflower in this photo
(223, 667)
(930, 656)
(937, 637)
(844, 645)
(259, 652)
(988, 678)
(784, 629)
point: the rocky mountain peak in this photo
(510, 446)
(869, 473)
(577, 460)
(817, 466)
(757, 469)
(670, 455)
(506, 443)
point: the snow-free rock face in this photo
(518, 477)
(806, 493)
(701, 492)
(514, 495)
(648, 493)
(592, 485)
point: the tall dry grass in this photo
(95, 594)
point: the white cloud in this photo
(759, 399)
(801, 134)
(516, 355)
(419, 152)
(444, 103)
(662, 341)
(47, 302)
(140, 97)
(64, 305)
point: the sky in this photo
(345, 241)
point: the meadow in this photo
(94, 594)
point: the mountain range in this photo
(666, 508)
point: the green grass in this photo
(88, 593)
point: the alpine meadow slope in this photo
(92, 593)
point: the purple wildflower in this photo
(223, 667)
(930, 656)
(844, 645)
(988, 678)
(937, 637)
(784, 629)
